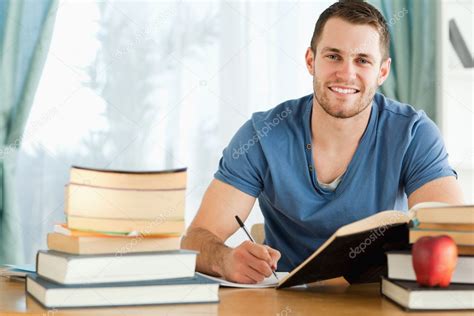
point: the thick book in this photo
(400, 267)
(156, 226)
(455, 214)
(459, 237)
(196, 289)
(119, 179)
(100, 202)
(355, 251)
(86, 245)
(411, 296)
(66, 268)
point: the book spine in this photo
(380, 285)
(36, 262)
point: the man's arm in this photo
(445, 189)
(213, 224)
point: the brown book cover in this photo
(105, 245)
(460, 238)
(455, 227)
(120, 179)
(465, 250)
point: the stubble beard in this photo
(363, 101)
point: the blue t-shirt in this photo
(270, 157)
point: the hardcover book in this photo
(196, 289)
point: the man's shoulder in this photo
(396, 109)
(404, 120)
(398, 114)
(285, 112)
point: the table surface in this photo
(331, 297)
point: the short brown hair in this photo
(356, 12)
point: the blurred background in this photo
(147, 85)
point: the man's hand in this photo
(213, 224)
(249, 263)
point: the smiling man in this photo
(324, 160)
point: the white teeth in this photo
(345, 91)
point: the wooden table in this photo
(328, 298)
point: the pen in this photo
(241, 224)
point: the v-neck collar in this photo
(346, 177)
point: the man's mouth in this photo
(344, 90)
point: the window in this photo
(153, 85)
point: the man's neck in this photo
(333, 133)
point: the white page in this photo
(266, 283)
(22, 267)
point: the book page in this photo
(428, 205)
(384, 218)
(20, 270)
(266, 283)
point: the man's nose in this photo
(346, 71)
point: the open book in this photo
(357, 251)
(271, 281)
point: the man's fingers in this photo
(241, 278)
(254, 275)
(254, 262)
(260, 266)
(258, 251)
(274, 254)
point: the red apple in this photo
(434, 260)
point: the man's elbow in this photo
(186, 239)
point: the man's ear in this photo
(309, 57)
(384, 71)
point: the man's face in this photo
(347, 67)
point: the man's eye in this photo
(363, 61)
(333, 57)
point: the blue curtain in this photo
(413, 33)
(25, 33)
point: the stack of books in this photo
(120, 244)
(146, 202)
(105, 203)
(400, 286)
(454, 221)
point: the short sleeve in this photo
(243, 163)
(426, 158)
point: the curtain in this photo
(25, 32)
(413, 32)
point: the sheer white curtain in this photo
(152, 85)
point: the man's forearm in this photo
(211, 250)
